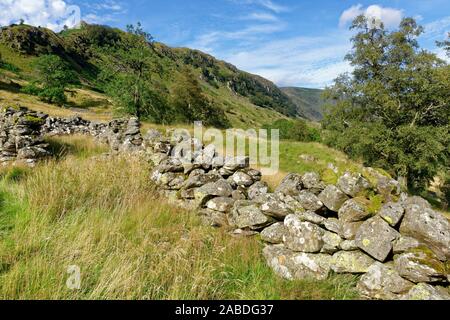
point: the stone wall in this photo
(362, 225)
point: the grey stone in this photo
(333, 225)
(274, 234)
(309, 201)
(333, 198)
(354, 210)
(351, 262)
(423, 291)
(331, 241)
(404, 243)
(296, 266)
(392, 212)
(353, 184)
(429, 227)
(349, 245)
(247, 214)
(197, 179)
(221, 204)
(312, 217)
(271, 205)
(420, 265)
(302, 236)
(375, 237)
(290, 185)
(312, 182)
(348, 230)
(242, 179)
(382, 282)
(257, 189)
(220, 188)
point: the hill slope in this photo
(247, 100)
(309, 102)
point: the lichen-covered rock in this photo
(348, 230)
(353, 184)
(290, 185)
(354, 210)
(392, 212)
(333, 198)
(213, 218)
(333, 225)
(296, 266)
(382, 282)
(309, 201)
(257, 189)
(233, 164)
(311, 181)
(220, 188)
(404, 243)
(221, 204)
(349, 245)
(420, 265)
(302, 236)
(247, 214)
(331, 242)
(274, 234)
(242, 179)
(170, 165)
(351, 262)
(312, 217)
(382, 182)
(375, 237)
(423, 291)
(197, 179)
(272, 206)
(429, 227)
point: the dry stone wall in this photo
(362, 225)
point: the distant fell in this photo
(309, 102)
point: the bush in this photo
(297, 130)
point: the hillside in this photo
(309, 102)
(247, 100)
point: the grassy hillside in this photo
(246, 99)
(308, 101)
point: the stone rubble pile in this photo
(20, 136)
(362, 225)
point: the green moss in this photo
(329, 176)
(34, 120)
(426, 256)
(375, 203)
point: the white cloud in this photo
(268, 4)
(389, 16)
(438, 29)
(53, 14)
(260, 16)
(299, 61)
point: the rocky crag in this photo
(362, 225)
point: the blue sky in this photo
(293, 43)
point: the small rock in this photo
(333, 225)
(375, 237)
(348, 230)
(309, 201)
(392, 212)
(349, 245)
(247, 214)
(242, 179)
(382, 282)
(221, 204)
(351, 262)
(290, 185)
(353, 184)
(423, 291)
(404, 243)
(274, 234)
(312, 182)
(257, 189)
(312, 217)
(331, 241)
(333, 198)
(354, 210)
(302, 236)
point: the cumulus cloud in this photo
(389, 16)
(52, 14)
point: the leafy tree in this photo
(130, 65)
(191, 104)
(445, 44)
(54, 75)
(393, 110)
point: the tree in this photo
(445, 44)
(54, 75)
(130, 65)
(393, 110)
(191, 104)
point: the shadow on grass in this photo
(10, 86)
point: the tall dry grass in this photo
(103, 215)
